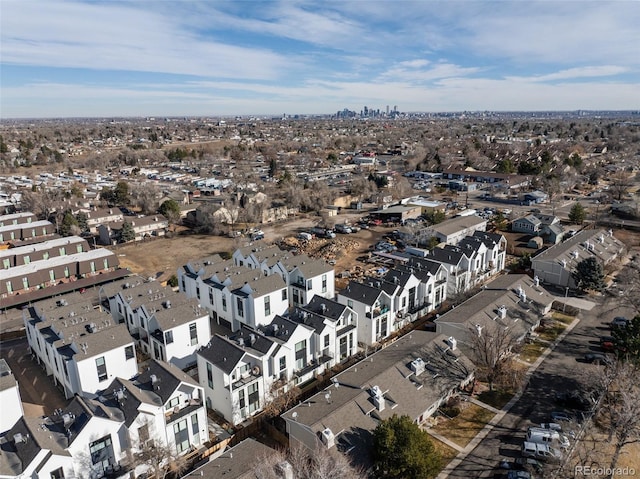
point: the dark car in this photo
(597, 358)
(528, 464)
(619, 322)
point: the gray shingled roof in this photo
(222, 353)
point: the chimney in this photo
(453, 344)
(502, 312)
(378, 398)
(328, 439)
(417, 366)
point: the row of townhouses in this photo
(109, 436)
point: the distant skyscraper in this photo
(387, 110)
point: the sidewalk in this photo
(505, 409)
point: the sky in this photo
(260, 57)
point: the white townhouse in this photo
(432, 290)
(163, 405)
(235, 295)
(79, 344)
(458, 263)
(85, 439)
(231, 372)
(495, 259)
(143, 227)
(374, 309)
(335, 329)
(9, 398)
(407, 300)
(305, 276)
(168, 326)
(478, 262)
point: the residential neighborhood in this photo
(203, 315)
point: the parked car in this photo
(559, 416)
(597, 358)
(528, 464)
(518, 475)
(344, 229)
(619, 322)
(542, 452)
(607, 343)
(553, 426)
(258, 235)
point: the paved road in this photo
(562, 370)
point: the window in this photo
(309, 284)
(404, 301)
(27, 259)
(101, 452)
(195, 429)
(254, 397)
(45, 255)
(301, 354)
(57, 474)
(128, 352)
(240, 305)
(105, 263)
(168, 337)
(326, 341)
(25, 283)
(198, 291)
(324, 283)
(211, 296)
(193, 333)
(52, 275)
(66, 271)
(343, 348)
(184, 286)
(283, 363)
(284, 295)
(181, 433)
(79, 248)
(6, 263)
(295, 296)
(224, 303)
(267, 306)
(93, 266)
(350, 303)
(9, 287)
(143, 433)
(241, 401)
(210, 375)
(175, 401)
(102, 369)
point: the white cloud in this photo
(578, 72)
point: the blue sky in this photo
(156, 58)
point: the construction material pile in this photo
(327, 249)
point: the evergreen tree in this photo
(577, 214)
(589, 274)
(127, 234)
(402, 450)
(67, 226)
(627, 340)
(170, 209)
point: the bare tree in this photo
(306, 464)
(158, 459)
(620, 411)
(492, 346)
(620, 184)
(145, 196)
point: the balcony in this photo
(179, 412)
(247, 378)
(300, 283)
(377, 312)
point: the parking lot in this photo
(564, 369)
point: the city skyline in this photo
(80, 59)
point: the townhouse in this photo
(305, 277)
(451, 231)
(79, 344)
(143, 227)
(100, 216)
(373, 306)
(488, 255)
(235, 295)
(83, 440)
(42, 251)
(414, 377)
(17, 218)
(458, 263)
(335, 328)
(168, 326)
(162, 405)
(26, 233)
(515, 302)
(240, 461)
(556, 265)
(432, 289)
(9, 398)
(55, 270)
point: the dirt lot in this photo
(160, 258)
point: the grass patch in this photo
(551, 332)
(532, 351)
(563, 318)
(495, 398)
(466, 425)
(447, 453)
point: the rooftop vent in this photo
(328, 439)
(536, 281)
(378, 398)
(154, 379)
(502, 312)
(417, 366)
(453, 344)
